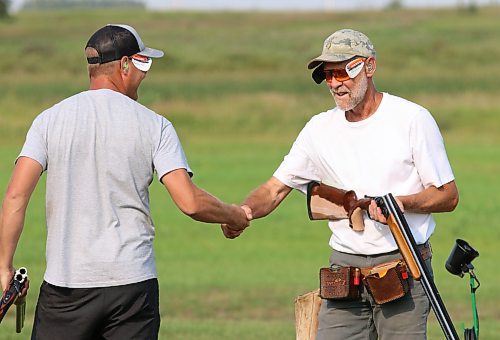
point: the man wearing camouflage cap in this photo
(373, 143)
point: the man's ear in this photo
(371, 66)
(124, 65)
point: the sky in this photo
(262, 5)
(297, 4)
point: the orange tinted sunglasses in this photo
(350, 71)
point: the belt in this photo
(425, 252)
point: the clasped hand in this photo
(235, 229)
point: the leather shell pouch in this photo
(339, 283)
(387, 282)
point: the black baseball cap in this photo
(112, 42)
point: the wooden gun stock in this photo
(325, 202)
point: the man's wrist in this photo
(8, 268)
(247, 210)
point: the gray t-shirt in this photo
(101, 149)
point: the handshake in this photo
(241, 222)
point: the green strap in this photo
(473, 288)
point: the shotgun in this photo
(11, 296)
(408, 248)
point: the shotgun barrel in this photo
(11, 296)
(408, 248)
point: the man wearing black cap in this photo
(100, 149)
(373, 143)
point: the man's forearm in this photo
(199, 204)
(260, 203)
(263, 200)
(11, 226)
(210, 209)
(22, 183)
(432, 199)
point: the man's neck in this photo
(367, 107)
(102, 82)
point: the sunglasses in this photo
(141, 62)
(351, 70)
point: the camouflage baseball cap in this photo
(344, 45)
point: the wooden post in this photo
(306, 315)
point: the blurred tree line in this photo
(68, 4)
(4, 7)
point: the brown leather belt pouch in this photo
(387, 282)
(339, 283)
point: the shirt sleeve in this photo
(169, 155)
(35, 146)
(297, 168)
(429, 153)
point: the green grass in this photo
(236, 87)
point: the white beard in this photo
(356, 95)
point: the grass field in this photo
(236, 87)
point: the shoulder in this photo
(400, 103)
(323, 119)
(157, 119)
(66, 102)
(142, 112)
(405, 109)
(69, 103)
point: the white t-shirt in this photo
(397, 150)
(101, 149)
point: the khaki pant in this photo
(405, 318)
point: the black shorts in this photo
(118, 312)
